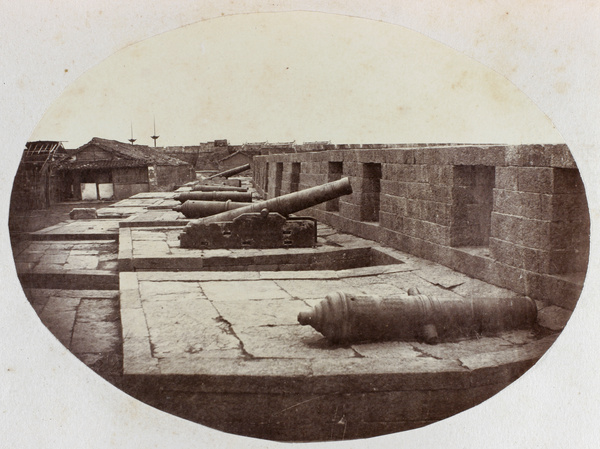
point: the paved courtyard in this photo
(213, 336)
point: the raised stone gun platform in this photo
(263, 224)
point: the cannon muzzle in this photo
(231, 172)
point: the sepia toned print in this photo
(202, 317)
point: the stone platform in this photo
(157, 248)
(225, 349)
(82, 264)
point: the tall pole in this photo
(132, 139)
(155, 136)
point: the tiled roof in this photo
(142, 153)
(87, 165)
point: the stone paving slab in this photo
(165, 205)
(244, 290)
(195, 328)
(79, 230)
(316, 288)
(120, 212)
(86, 264)
(87, 323)
(155, 218)
(95, 336)
(159, 195)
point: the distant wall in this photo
(514, 216)
(168, 177)
(185, 154)
(129, 181)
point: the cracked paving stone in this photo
(265, 312)
(444, 276)
(309, 289)
(189, 326)
(289, 342)
(219, 291)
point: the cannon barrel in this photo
(210, 188)
(242, 197)
(199, 209)
(343, 317)
(287, 204)
(231, 172)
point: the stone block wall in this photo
(514, 216)
(540, 220)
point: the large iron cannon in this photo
(200, 209)
(231, 172)
(343, 317)
(262, 227)
(213, 188)
(241, 197)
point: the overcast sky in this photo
(294, 76)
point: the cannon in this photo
(345, 318)
(231, 172)
(241, 197)
(199, 209)
(214, 188)
(266, 222)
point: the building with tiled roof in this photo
(108, 169)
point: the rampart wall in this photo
(513, 216)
